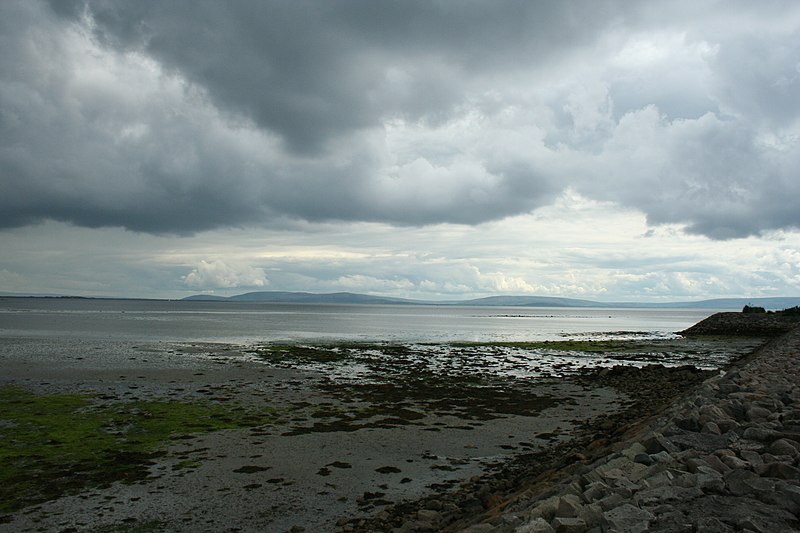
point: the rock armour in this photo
(726, 458)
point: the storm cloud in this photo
(185, 116)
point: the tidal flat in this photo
(211, 437)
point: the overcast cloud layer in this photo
(182, 117)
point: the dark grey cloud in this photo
(184, 116)
(311, 71)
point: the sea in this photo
(251, 323)
(444, 339)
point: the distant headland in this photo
(496, 301)
(351, 298)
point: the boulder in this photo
(757, 413)
(745, 482)
(628, 518)
(537, 525)
(784, 447)
(478, 528)
(752, 457)
(667, 493)
(760, 434)
(662, 457)
(712, 413)
(592, 515)
(659, 480)
(612, 501)
(709, 480)
(714, 462)
(781, 470)
(787, 497)
(546, 508)
(711, 427)
(596, 491)
(428, 515)
(694, 463)
(569, 525)
(735, 463)
(659, 443)
(568, 506)
(711, 524)
(727, 425)
(673, 522)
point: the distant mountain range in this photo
(505, 301)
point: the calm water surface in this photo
(246, 323)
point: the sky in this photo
(436, 149)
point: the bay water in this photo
(246, 323)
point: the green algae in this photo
(51, 445)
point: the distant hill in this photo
(305, 297)
(504, 301)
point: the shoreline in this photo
(309, 462)
(724, 457)
(471, 461)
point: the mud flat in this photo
(200, 437)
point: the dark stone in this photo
(784, 447)
(781, 471)
(672, 522)
(628, 517)
(702, 442)
(745, 482)
(723, 513)
(659, 443)
(472, 506)
(569, 525)
(688, 424)
(760, 434)
(711, 524)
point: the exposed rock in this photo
(629, 519)
(759, 434)
(784, 447)
(537, 525)
(745, 482)
(480, 528)
(428, 515)
(711, 427)
(592, 515)
(709, 480)
(658, 443)
(781, 471)
(735, 463)
(569, 525)
(569, 506)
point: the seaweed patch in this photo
(51, 445)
